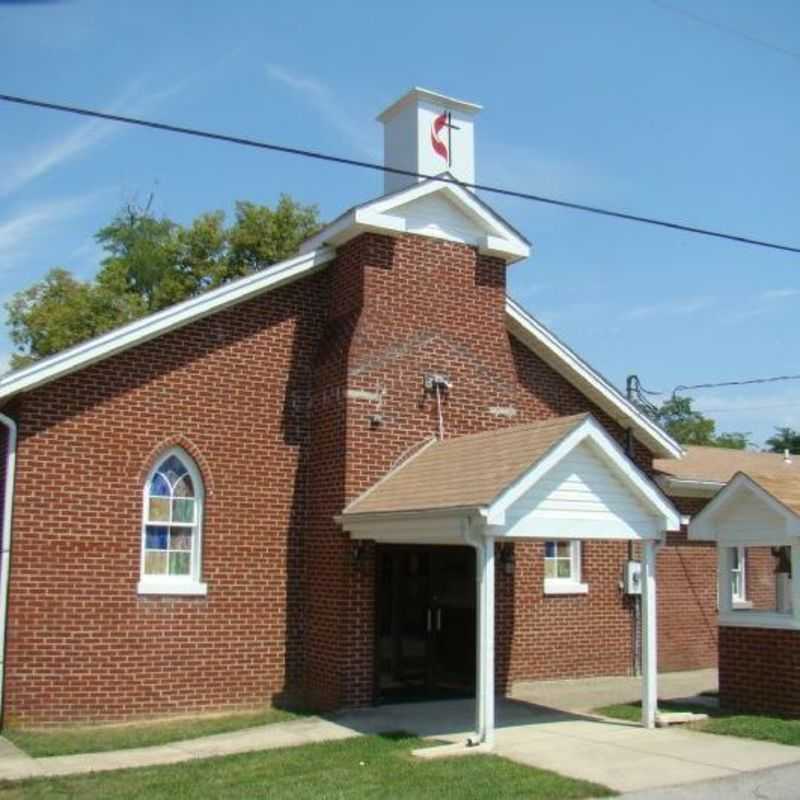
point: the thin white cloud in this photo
(691, 305)
(360, 133)
(16, 231)
(779, 294)
(17, 172)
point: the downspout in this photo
(5, 559)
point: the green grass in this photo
(102, 738)
(374, 767)
(747, 726)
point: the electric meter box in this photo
(633, 577)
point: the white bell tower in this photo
(428, 133)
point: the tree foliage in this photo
(690, 427)
(784, 439)
(150, 263)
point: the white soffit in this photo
(587, 380)
(435, 208)
(153, 325)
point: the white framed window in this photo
(738, 575)
(172, 521)
(562, 567)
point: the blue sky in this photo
(625, 103)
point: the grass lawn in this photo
(364, 767)
(101, 738)
(748, 726)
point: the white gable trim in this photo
(614, 458)
(704, 526)
(385, 215)
(587, 380)
(149, 327)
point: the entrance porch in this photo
(558, 481)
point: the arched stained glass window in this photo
(173, 505)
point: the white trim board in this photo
(704, 526)
(522, 325)
(587, 380)
(169, 319)
(393, 215)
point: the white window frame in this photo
(175, 584)
(739, 576)
(571, 585)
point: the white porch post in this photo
(649, 648)
(485, 618)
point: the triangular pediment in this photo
(438, 207)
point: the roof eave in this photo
(153, 325)
(589, 381)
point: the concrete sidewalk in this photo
(560, 737)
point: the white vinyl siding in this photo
(580, 498)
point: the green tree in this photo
(150, 263)
(691, 427)
(784, 439)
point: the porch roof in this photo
(752, 509)
(464, 472)
(564, 478)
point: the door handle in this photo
(438, 619)
(429, 620)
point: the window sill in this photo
(565, 587)
(745, 604)
(182, 588)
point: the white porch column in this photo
(485, 618)
(649, 647)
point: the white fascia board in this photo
(688, 487)
(419, 93)
(169, 319)
(500, 240)
(572, 367)
(703, 527)
(614, 457)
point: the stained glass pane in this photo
(156, 538)
(564, 569)
(549, 569)
(183, 510)
(155, 562)
(563, 549)
(180, 539)
(179, 563)
(185, 487)
(159, 509)
(549, 549)
(159, 486)
(174, 469)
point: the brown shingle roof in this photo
(785, 488)
(720, 464)
(468, 471)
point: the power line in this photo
(726, 28)
(775, 379)
(297, 151)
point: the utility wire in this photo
(726, 28)
(775, 379)
(394, 170)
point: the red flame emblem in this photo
(438, 145)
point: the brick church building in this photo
(360, 475)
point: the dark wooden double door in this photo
(425, 622)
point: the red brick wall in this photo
(259, 394)
(386, 329)
(758, 670)
(232, 390)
